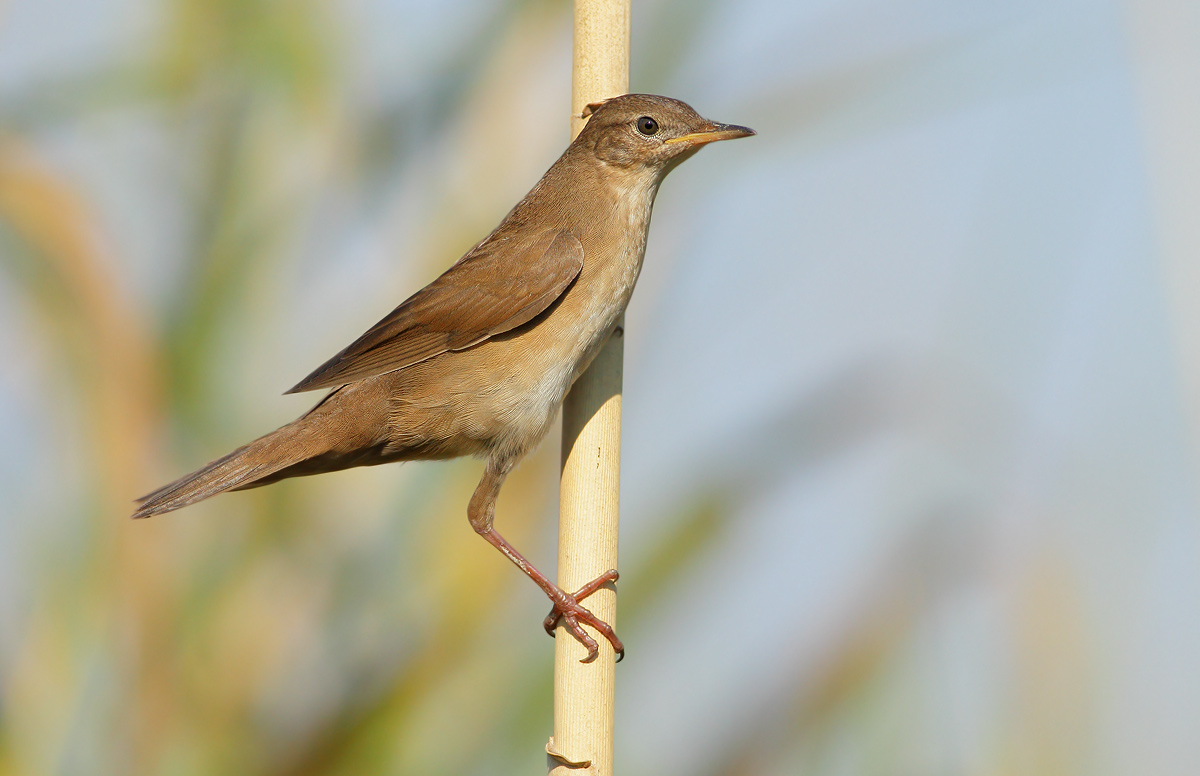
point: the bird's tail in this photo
(342, 431)
(246, 467)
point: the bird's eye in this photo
(647, 126)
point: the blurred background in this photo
(911, 411)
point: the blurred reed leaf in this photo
(256, 46)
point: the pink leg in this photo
(482, 513)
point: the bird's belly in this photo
(497, 398)
(525, 393)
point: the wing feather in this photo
(503, 283)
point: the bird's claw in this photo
(551, 621)
(569, 611)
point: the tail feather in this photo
(346, 428)
(242, 468)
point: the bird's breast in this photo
(613, 250)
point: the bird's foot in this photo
(568, 609)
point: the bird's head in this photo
(645, 130)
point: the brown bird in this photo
(478, 361)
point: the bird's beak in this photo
(713, 133)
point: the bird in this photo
(479, 361)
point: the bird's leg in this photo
(482, 513)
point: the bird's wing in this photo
(504, 282)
